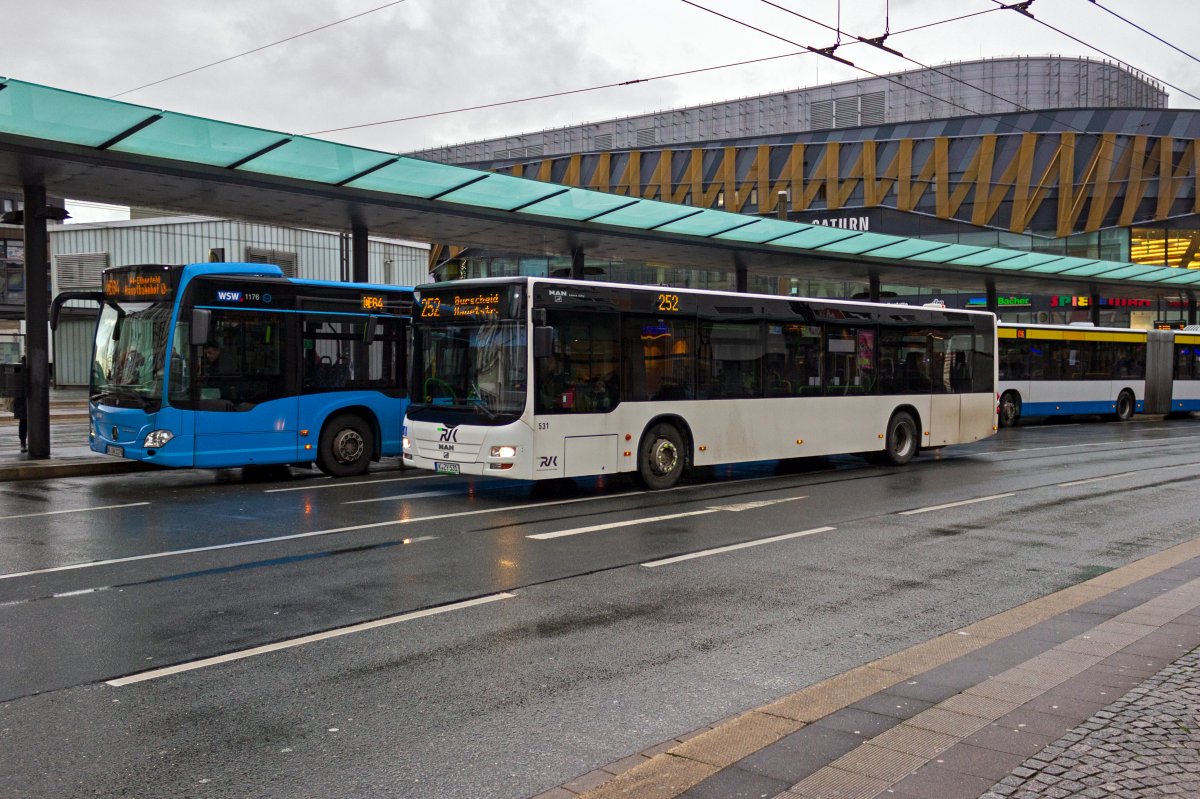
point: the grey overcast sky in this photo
(424, 56)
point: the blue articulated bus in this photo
(233, 364)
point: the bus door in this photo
(948, 357)
(246, 407)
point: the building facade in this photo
(1061, 155)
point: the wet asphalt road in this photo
(580, 656)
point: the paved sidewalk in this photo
(1090, 692)
(70, 455)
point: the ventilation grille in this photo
(281, 258)
(872, 108)
(646, 137)
(821, 115)
(80, 270)
(602, 141)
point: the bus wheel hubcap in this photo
(664, 456)
(347, 446)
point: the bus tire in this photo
(345, 446)
(1125, 405)
(661, 457)
(901, 441)
(1010, 409)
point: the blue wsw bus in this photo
(230, 364)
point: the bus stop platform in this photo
(1093, 691)
(69, 452)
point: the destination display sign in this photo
(141, 284)
(465, 304)
(374, 302)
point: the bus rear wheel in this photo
(1125, 406)
(346, 446)
(901, 441)
(661, 457)
(1010, 409)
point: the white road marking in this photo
(155, 674)
(741, 506)
(169, 553)
(628, 523)
(414, 495)
(718, 550)
(335, 484)
(1149, 439)
(1091, 480)
(73, 510)
(352, 528)
(1128, 474)
(953, 504)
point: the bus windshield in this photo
(475, 368)
(131, 340)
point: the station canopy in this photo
(91, 148)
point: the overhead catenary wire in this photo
(1021, 8)
(628, 82)
(896, 79)
(256, 49)
(1151, 34)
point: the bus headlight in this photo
(404, 443)
(158, 438)
(504, 452)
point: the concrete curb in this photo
(70, 467)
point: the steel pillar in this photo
(577, 263)
(358, 255)
(991, 295)
(37, 330)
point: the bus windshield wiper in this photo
(117, 390)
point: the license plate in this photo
(118, 451)
(446, 468)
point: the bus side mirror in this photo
(201, 326)
(369, 331)
(543, 342)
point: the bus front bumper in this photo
(477, 451)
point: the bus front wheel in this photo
(346, 446)
(901, 441)
(1010, 409)
(661, 457)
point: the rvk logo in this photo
(229, 296)
(548, 462)
(449, 434)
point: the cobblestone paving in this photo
(1147, 743)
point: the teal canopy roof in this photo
(88, 147)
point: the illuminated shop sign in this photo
(1067, 301)
(1001, 302)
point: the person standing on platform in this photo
(20, 411)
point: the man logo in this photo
(449, 434)
(548, 462)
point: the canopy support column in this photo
(359, 270)
(873, 288)
(37, 337)
(1191, 307)
(578, 262)
(991, 295)
(1094, 305)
